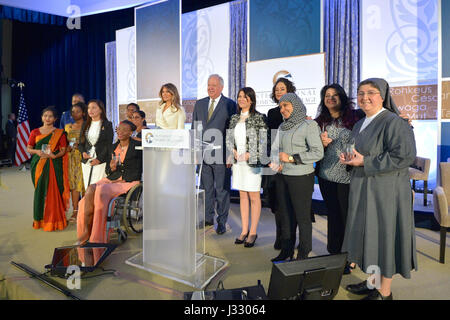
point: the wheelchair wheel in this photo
(133, 211)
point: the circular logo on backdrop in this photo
(148, 137)
(282, 74)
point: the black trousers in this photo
(11, 152)
(335, 196)
(294, 195)
(216, 181)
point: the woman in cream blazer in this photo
(170, 114)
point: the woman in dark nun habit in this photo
(380, 225)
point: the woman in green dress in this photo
(47, 145)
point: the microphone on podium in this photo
(208, 145)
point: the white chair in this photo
(420, 171)
(441, 195)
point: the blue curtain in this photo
(341, 43)
(111, 104)
(55, 62)
(238, 47)
(30, 16)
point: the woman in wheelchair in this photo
(123, 172)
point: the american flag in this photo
(23, 133)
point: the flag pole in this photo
(23, 132)
(21, 85)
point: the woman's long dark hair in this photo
(100, 104)
(174, 91)
(250, 93)
(346, 113)
(289, 87)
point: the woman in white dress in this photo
(170, 114)
(247, 141)
(95, 145)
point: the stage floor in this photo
(19, 242)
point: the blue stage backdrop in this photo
(284, 28)
(445, 38)
(55, 62)
(157, 47)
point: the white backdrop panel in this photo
(126, 65)
(307, 72)
(213, 43)
(426, 135)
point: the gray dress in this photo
(380, 223)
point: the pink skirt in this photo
(104, 193)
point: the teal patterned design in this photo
(445, 9)
(284, 28)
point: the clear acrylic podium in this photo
(174, 216)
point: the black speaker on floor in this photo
(315, 278)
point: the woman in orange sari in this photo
(49, 173)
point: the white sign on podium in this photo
(170, 139)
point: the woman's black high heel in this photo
(287, 251)
(241, 241)
(251, 244)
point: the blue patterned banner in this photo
(400, 41)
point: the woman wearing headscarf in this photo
(300, 147)
(274, 119)
(380, 224)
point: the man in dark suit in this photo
(11, 136)
(212, 114)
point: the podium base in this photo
(207, 268)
